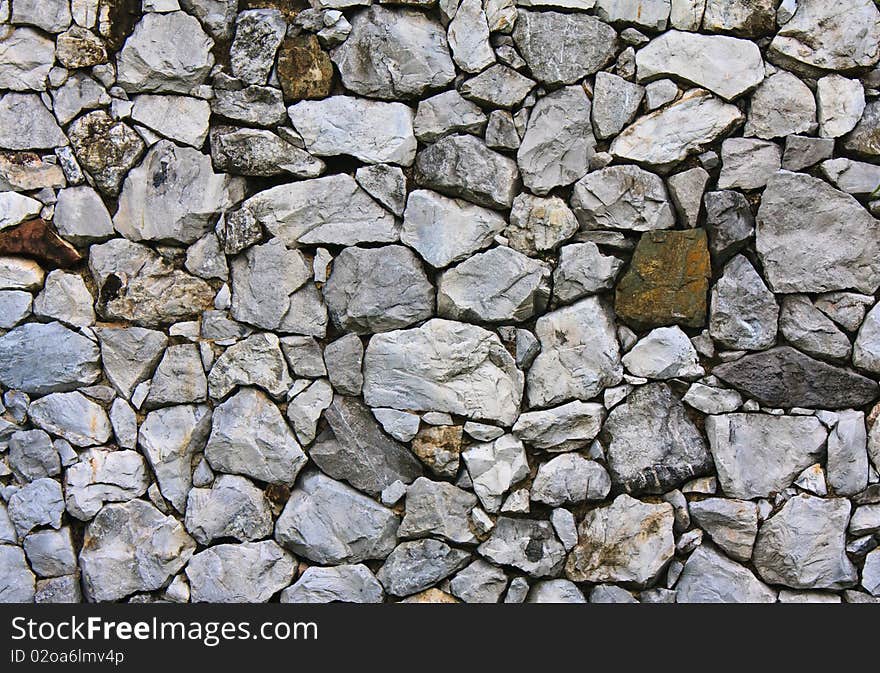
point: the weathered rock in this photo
(615, 103)
(565, 428)
(686, 191)
(43, 358)
(80, 48)
(443, 366)
(558, 144)
(255, 361)
(38, 503)
(841, 103)
(808, 329)
(251, 572)
(732, 524)
(847, 454)
(354, 441)
(446, 113)
(36, 238)
(345, 360)
(437, 447)
(81, 217)
(711, 577)
(462, 166)
(667, 136)
(802, 152)
(437, 509)
(415, 566)
(498, 86)
(500, 285)
(178, 379)
(71, 416)
(622, 197)
(823, 37)
(526, 544)
(331, 210)
(106, 148)
(667, 281)
(748, 163)
(743, 313)
(371, 131)
(652, 445)
(570, 479)
(260, 152)
(480, 582)
(338, 584)
(249, 436)
(25, 123)
(494, 467)
(803, 545)
(232, 507)
(305, 70)
(258, 34)
(50, 552)
(783, 105)
(583, 270)
(627, 541)
(852, 177)
(26, 57)
(180, 64)
(328, 522)
(104, 476)
(784, 377)
(563, 48)
(129, 355)
(555, 591)
(394, 54)
(729, 223)
(749, 18)
(468, 35)
(665, 353)
(32, 456)
(131, 547)
(757, 455)
(305, 410)
(16, 578)
(257, 105)
(179, 118)
(377, 290)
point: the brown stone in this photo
(667, 281)
(106, 148)
(439, 447)
(304, 69)
(38, 240)
(80, 48)
(26, 171)
(431, 596)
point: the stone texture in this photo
(251, 572)
(743, 314)
(710, 577)
(622, 197)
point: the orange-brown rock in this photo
(439, 447)
(38, 240)
(431, 596)
(667, 281)
(304, 69)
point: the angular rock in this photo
(81, 217)
(255, 361)
(710, 577)
(438, 509)
(743, 314)
(104, 476)
(39, 503)
(626, 541)
(179, 118)
(480, 582)
(250, 572)
(841, 103)
(415, 566)
(26, 57)
(729, 223)
(258, 34)
(178, 379)
(757, 455)
(32, 456)
(652, 14)
(808, 329)
(345, 362)
(652, 445)
(328, 522)
(129, 355)
(106, 148)
(304, 69)
(570, 479)
(232, 507)
(622, 197)
(665, 353)
(565, 428)
(667, 136)
(73, 417)
(732, 524)
(528, 545)
(803, 545)
(539, 224)
(497, 86)
(615, 104)
(437, 447)
(563, 48)
(16, 578)
(468, 35)
(446, 113)
(378, 290)
(847, 454)
(494, 467)
(338, 584)
(249, 436)
(50, 552)
(260, 152)
(583, 270)
(305, 410)
(257, 105)
(25, 123)
(443, 366)
(852, 177)
(783, 105)
(385, 183)
(748, 163)
(355, 441)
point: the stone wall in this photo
(544, 301)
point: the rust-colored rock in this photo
(304, 69)
(38, 240)
(80, 48)
(667, 281)
(431, 596)
(439, 448)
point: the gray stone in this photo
(528, 545)
(808, 329)
(686, 190)
(80, 92)
(50, 552)
(652, 444)
(180, 64)
(371, 131)
(665, 353)
(53, 16)
(394, 54)
(249, 436)
(579, 354)
(16, 578)
(255, 361)
(32, 455)
(129, 355)
(801, 152)
(251, 572)
(258, 34)
(555, 591)
(355, 440)
(608, 593)
(65, 298)
(785, 377)
(659, 93)
(27, 124)
(415, 566)
(729, 223)
(622, 197)
(106, 148)
(446, 113)
(743, 313)
(81, 217)
(16, 208)
(651, 14)
(712, 400)
(710, 577)
(501, 131)
(626, 541)
(748, 163)
(821, 37)
(871, 573)
(563, 48)
(667, 136)
(15, 306)
(437, 509)
(303, 354)
(570, 479)
(104, 476)
(377, 290)
(58, 590)
(401, 425)
(568, 427)
(583, 270)
(757, 455)
(328, 522)
(480, 582)
(847, 309)
(338, 584)
(38, 503)
(443, 366)
(71, 416)
(232, 507)
(615, 103)
(500, 285)
(17, 273)
(260, 152)
(468, 35)
(332, 210)
(180, 118)
(783, 105)
(305, 410)
(494, 467)
(170, 438)
(558, 144)
(462, 166)
(813, 238)
(841, 103)
(344, 359)
(852, 177)
(257, 105)
(803, 545)
(847, 454)
(385, 183)
(732, 524)
(26, 57)
(497, 86)
(179, 378)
